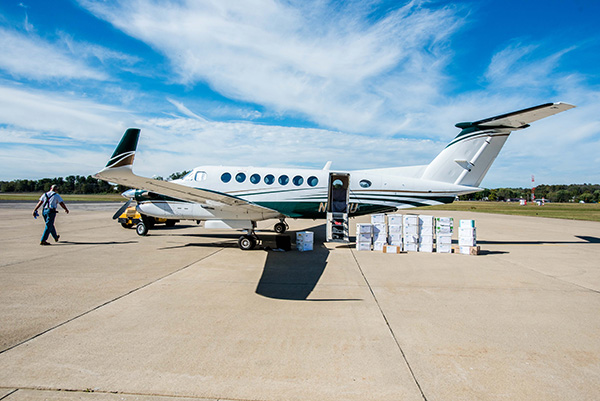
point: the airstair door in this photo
(338, 200)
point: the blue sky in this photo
(364, 84)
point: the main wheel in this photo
(141, 229)
(280, 228)
(247, 242)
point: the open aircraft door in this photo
(338, 200)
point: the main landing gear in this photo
(281, 227)
(248, 242)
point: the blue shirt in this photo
(55, 199)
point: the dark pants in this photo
(49, 216)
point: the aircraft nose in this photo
(129, 194)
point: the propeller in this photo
(121, 209)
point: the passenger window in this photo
(255, 178)
(269, 179)
(284, 179)
(200, 176)
(312, 181)
(365, 183)
(226, 177)
(298, 180)
(240, 177)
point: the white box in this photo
(425, 220)
(444, 239)
(304, 246)
(379, 227)
(395, 228)
(466, 223)
(426, 247)
(364, 238)
(427, 230)
(444, 230)
(394, 237)
(411, 247)
(443, 248)
(380, 238)
(444, 221)
(395, 219)
(378, 246)
(363, 246)
(411, 220)
(411, 230)
(364, 229)
(466, 241)
(305, 236)
(378, 218)
(426, 239)
(392, 249)
(411, 239)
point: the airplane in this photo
(236, 197)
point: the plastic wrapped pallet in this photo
(379, 232)
(364, 237)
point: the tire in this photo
(247, 242)
(141, 229)
(280, 228)
(126, 225)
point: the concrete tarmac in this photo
(184, 314)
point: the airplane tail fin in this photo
(121, 160)
(467, 159)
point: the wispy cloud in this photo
(30, 57)
(333, 65)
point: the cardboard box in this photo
(395, 228)
(410, 239)
(444, 239)
(426, 247)
(466, 223)
(363, 246)
(469, 250)
(426, 230)
(426, 239)
(379, 228)
(411, 247)
(394, 237)
(395, 219)
(462, 242)
(305, 236)
(425, 220)
(444, 221)
(392, 249)
(441, 230)
(469, 232)
(364, 229)
(364, 238)
(378, 246)
(411, 220)
(304, 246)
(378, 218)
(411, 230)
(443, 248)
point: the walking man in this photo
(50, 200)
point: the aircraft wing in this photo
(521, 118)
(119, 170)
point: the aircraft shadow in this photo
(96, 243)
(294, 275)
(583, 240)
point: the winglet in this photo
(125, 151)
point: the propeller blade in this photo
(121, 209)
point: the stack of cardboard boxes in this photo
(364, 237)
(379, 231)
(395, 230)
(411, 233)
(444, 226)
(304, 241)
(426, 230)
(467, 238)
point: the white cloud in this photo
(30, 57)
(333, 65)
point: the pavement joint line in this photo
(9, 394)
(389, 326)
(109, 302)
(183, 397)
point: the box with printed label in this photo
(378, 246)
(466, 241)
(467, 232)
(364, 228)
(425, 220)
(466, 223)
(304, 246)
(426, 247)
(444, 239)
(395, 219)
(411, 230)
(394, 237)
(378, 218)
(364, 238)
(469, 250)
(443, 248)
(305, 236)
(426, 239)
(410, 239)
(363, 246)
(411, 247)
(443, 230)
(426, 230)
(411, 220)
(444, 221)
(394, 228)
(392, 249)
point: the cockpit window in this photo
(200, 176)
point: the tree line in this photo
(587, 193)
(73, 184)
(77, 184)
